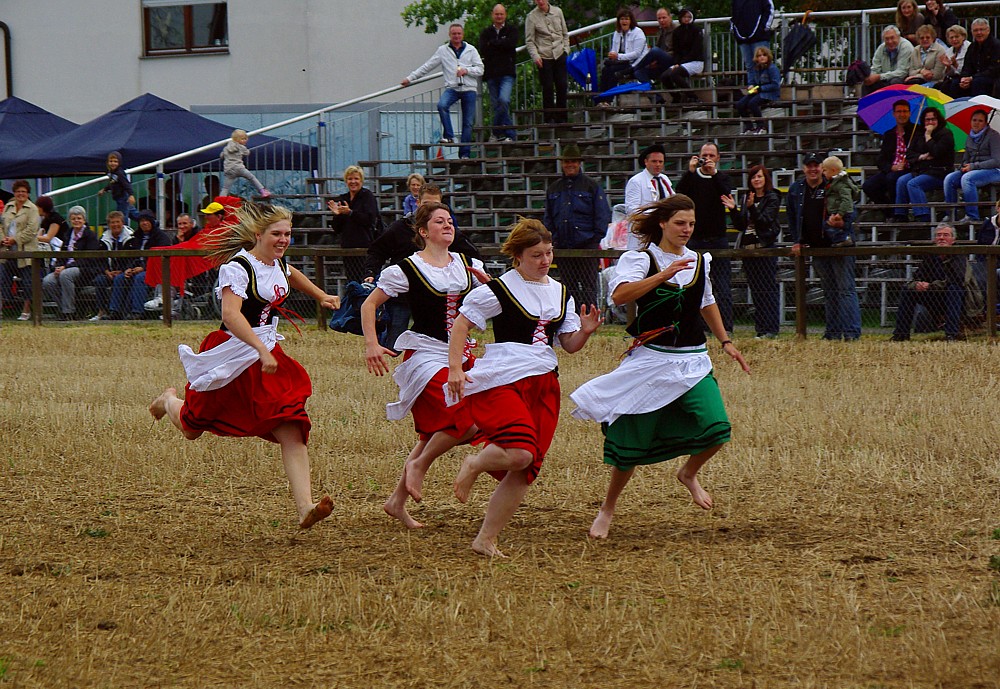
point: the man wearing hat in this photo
(214, 214)
(577, 214)
(648, 185)
(806, 204)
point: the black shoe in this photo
(899, 338)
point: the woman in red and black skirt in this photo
(435, 281)
(513, 390)
(241, 383)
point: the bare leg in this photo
(490, 458)
(395, 506)
(602, 523)
(505, 500)
(168, 404)
(417, 465)
(687, 475)
(295, 457)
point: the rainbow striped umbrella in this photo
(875, 109)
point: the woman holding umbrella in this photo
(980, 167)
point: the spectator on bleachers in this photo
(498, 48)
(891, 62)
(954, 57)
(547, 40)
(51, 225)
(988, 234)
(173, 204)
(115, 238)
(763, 88)
(689, 57)
(658, 58)
(750, 23)
(577, 214)
(880, 188)
(628, 47)
(805, 204)
(980, 167)
(413, 183)
(214, 214)
(939, 286)
(18, 232)
(462, 67)
(707, 186)
(647, 186)
(399, 242)
(939, 16)
(926, 66)
(70, 273)
(129, 291)
(213, 188)
(908, 19)
(757, 220)
(982, 64)
(120, 186)
(186, 228)
(234, 164)
(355, 219)
(930, 156)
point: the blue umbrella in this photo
(628, 87)
(582, 66)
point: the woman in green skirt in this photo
(662, 401)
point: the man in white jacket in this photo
(462, 67)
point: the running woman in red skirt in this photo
(241, 383)
(513, 390)
(435, 281)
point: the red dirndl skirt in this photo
(430, 412)
(521, 415)
(255, 403)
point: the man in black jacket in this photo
(938, 285)
(497, 47)
(881, 187)
(982, 63)
(129, 291)
(706, 186)
(395, 244)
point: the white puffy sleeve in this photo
(235, 277)
(480, 305)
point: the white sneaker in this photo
(24, 317)
(154, 303)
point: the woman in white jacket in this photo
(628, 46)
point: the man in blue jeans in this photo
(806, 205)
(462, 67)
(498, 46)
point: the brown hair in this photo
(524, 234)
(646, 221)
(21, 184)
(428, 188)
(624, 12)
(423, 216)
(768, 186)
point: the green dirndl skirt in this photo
(690, 424)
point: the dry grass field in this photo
(855, 540)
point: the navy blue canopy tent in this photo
(23, 124)
(145, 129)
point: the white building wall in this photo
(81, 58)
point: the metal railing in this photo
(880, 275)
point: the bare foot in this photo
(414, 473)
(701, 497)
(467, 476)
(486, 548)
(158, 408)
(601, 525)
(400, 513)
(320, 511)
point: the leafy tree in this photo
(476, 14)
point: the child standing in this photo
(120, 187)
(234, 157)
(763, 87)
(841, 193)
